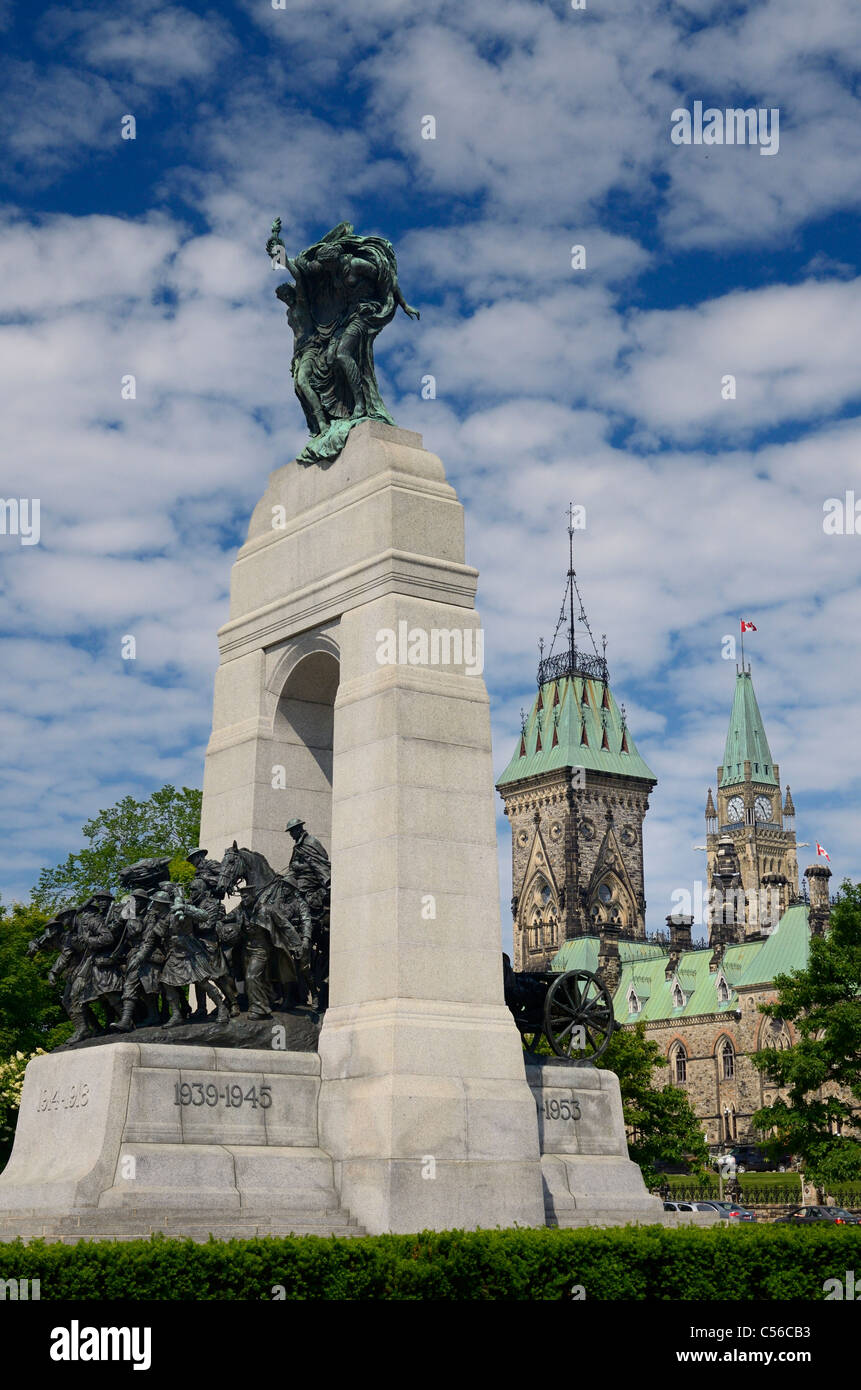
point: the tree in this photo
(167, 824)
(662, 1123)
(823, 1002)
(31, 1012)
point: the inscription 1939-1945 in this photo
(562, 1109)
(196, 1093)
(74, 1098)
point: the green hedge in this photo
(771, 1262)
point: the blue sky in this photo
(601, 385)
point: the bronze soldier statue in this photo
(187, 958)
(100, 976)
(62, 933)
(204, 893)
(310, 866)
(144, 959)
(255, 945)
(283, 914)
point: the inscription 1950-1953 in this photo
(73, 1097)
(564, 1109)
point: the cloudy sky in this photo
(602, 384)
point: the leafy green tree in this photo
(11, 1083)
(31, 1011)
(168, 823)
(663, 1126)
(823, 1002)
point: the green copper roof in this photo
(644, 964)
(787, 948)
(572, 724)
(746, 738)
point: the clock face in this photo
(762, 808)
(735, 808)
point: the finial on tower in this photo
(572, 662)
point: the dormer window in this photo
(634, 1005)
(723, 990)
(678, 996)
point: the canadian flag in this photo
(823, 852)
(747, 627)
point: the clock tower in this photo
(752, 868)
(576, 792)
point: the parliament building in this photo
(576, 792)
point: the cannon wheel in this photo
(578, 999)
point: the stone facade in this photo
(724, 1087)
(577, 860)
(751, 863)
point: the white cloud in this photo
(156, 44)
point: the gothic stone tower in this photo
(576, 792)
(750, 836)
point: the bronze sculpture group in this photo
(138, 953)
(346, 291)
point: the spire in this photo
(574, 721)
(746, 741)
(789, 804)
(711, 813)
(571, 660)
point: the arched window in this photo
(535, 931)
(727, 1056)
(679, 1065)
(723, 990)
(551, 927)
(678, 996)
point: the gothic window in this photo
(679, 1065)
(634, 1005)
(723, 990)
(610, 904)
(551, 930)
(678, 996)
(775, 1035)
(727, 1056)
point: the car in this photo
(731, 1211)
(750, 1159)
(836, 1216)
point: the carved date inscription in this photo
(565, 1109)
(72, 1097)
(195, 1093)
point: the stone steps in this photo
(102, 1224)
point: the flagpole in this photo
(741, 625)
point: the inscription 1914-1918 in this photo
(196, 1093)
(75, 1098)
(562, 1109)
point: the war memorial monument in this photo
(318, 1032)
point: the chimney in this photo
(680, 940)
(609, 960)
(817, 876)
(680, 931)
(776, 897)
